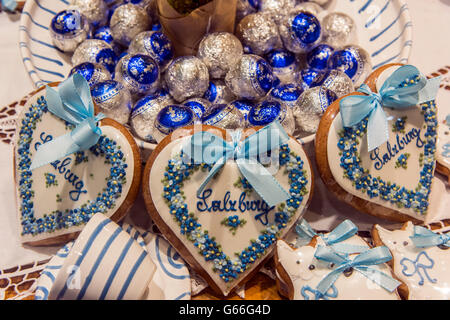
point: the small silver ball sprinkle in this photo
(259, 32)
(187, 77)
(127, 22)
(338, 29)
(220, 51)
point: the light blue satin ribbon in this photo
(424, 238)
(342, 232)
(9, 5)
(355, 108)
(73, 103)
(206, 147)
(361, 263)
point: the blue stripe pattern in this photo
(163, 267)
(409, 24)
(131, 275)
(115, 269)
(368, 24)
(97, 263)
(181, 296)
(86, 248)
(403, 8)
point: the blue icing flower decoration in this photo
(179, 170)
(402, 161)
(399, 125)
(50, 180)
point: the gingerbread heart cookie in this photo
(421, 259)
(223, 199)
(55, 200)
(375, 149)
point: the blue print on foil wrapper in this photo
(306, 27)
(280, 58)
(264, 75)
(419, 267)
(345, 61)
(318, 57)
(161, 46)
(142, 69)
(287, 92)
(67, 22)
(211, 93)
(108, 58)
(316, 295)
(265, 113)
(57, 220)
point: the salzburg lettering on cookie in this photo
(394, 179)
(226, 230)
(55, 201)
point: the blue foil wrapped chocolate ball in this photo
(171, 118)
(252, 78)
(219, 93)
(154, 44)
(144, 114)
(223, 116)
(243, 106)
(353, 61)
(300, 31)
(269, 111)
(92, 72)
(104, 33)
(68, 29)
(283, 63)
(139, 73)
(318, 57)
(287, 93)
(95, 51)
(198, 105)
(113, 100)
(310, 78)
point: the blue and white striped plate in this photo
(171, 280)
(384, 29)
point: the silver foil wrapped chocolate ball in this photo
(338, 29)
(171, 118)
(246, 7)
(68, 29)
(277, 9)
(310, 78)
(219, 93)
(154, 44)
(104, 33)
(220, 51)
(310, 108)
(127, 22)
(96, 11)
(187, 77)
(95, 51)
(252, 78)
(300, 31)
(309, 6)
(258, 32)
(338, 82)
(269, 111)
(113, 100)
(198, 105)
(149, 5)
(139, 74)
(92, 72)
(354, 61)
(284, 64)
(223, 116)
(144, 114)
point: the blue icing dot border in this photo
(376, 187)
(58, 220)
(178, 171)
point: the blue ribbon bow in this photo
(9, 5)
(342, 232)
(206, 147)
(361, 263)
(73, 103)
(392, 94)
(424, 238)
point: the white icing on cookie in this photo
(401, 161)
(305, 272)
(223, 191)
(426, 271)
(59, 198)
